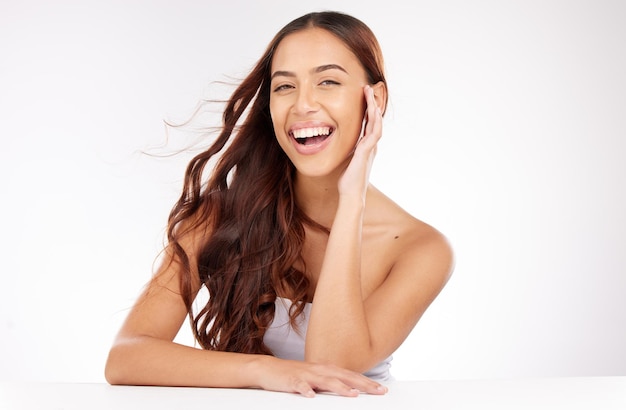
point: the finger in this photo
(371, 387)
(358, 381)
(337, 386)
(368, 114)
(373, 126)
(303, 388)
(371, 109)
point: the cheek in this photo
(350, 113)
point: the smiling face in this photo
(316, 100)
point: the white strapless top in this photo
(288, 343)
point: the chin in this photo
(317, 169)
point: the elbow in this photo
(117, 369)
(113, 373)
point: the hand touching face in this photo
(316, 100)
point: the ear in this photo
(380, 95)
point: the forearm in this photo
(150, 361)
(338, 332)
(144, 360)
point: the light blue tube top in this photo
(287, 343)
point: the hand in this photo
(306, 378)
(355, 178)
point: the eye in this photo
(282, 87)
(329, 82)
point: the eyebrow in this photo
(316, 70)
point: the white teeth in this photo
(310, 132)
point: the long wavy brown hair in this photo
(252, 250)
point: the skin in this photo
(372, 278)
(380, 268)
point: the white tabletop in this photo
(560, 393)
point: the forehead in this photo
(312, 47)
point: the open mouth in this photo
(311, 136)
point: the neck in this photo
(317, 197)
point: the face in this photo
(316, 100)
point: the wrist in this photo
(257, 369)
(350, 211)
(355, 201)
(350, 208)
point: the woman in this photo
(314, 276)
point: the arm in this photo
(345, 329)
(338, 322)
(356, 333)
(144, 352)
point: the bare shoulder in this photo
(425, 255)
(416, 248)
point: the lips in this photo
(312, 135)
(311, 139)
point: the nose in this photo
(306, 101)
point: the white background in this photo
(506, 130)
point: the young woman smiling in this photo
(314, 276)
